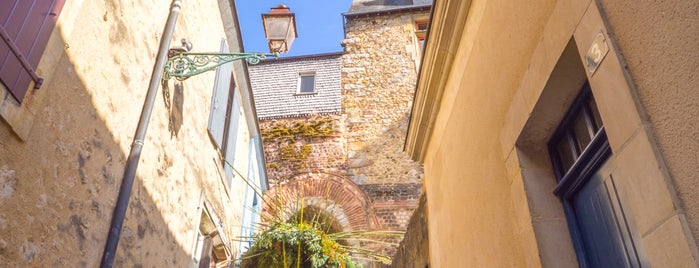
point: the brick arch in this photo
(337, 195)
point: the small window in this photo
(421, 33)
(421, 26)
(307, 83)
(211, 249)
(576, 132)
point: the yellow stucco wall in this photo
(490, 195)
(660, 47)
(467, 184)
(62, 152)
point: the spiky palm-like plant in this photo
(302, 240)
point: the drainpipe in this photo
(137, 145)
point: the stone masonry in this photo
(378, 79)
(379, 73)
(414, 249)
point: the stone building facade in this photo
(301, 131)
(63, 147)
(379, 73)
(340, 146)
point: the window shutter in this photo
(25, 28)
(232, 136)
(259, 159)
(219, 101)
(206, 248)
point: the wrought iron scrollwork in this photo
(183, 65)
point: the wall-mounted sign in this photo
(595, 54)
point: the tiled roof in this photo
(275, 85)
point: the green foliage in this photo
(286, 245)
(321, 128)
(272, 166)
(288, 134)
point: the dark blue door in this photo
(582, 160)
(606, 239)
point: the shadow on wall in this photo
(58, 188)
(174, 106)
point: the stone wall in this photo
(379, 73)
(302, 145)
(378, 81)
(393, 203)
(59, 182)
(414, 249)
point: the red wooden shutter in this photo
(25, 28)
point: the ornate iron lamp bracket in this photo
(183, 65)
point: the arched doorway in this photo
(344, 205)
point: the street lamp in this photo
(280, 30)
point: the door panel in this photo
(603, 228)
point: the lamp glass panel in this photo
(277, 46)
(290, 35)
(277, 26)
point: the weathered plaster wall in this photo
(659, 43)
(59, 185)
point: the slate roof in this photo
(375, 5)
(275, 84)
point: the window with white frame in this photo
(252, 206)
(307, 83)
(211, 245)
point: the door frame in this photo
(590, 159)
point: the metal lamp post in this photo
(179, 63)
(280, 30)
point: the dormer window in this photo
(307, 83)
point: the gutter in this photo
(135, 154)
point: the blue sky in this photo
(318, 22)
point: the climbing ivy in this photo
(291, 139)
(315, 128)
